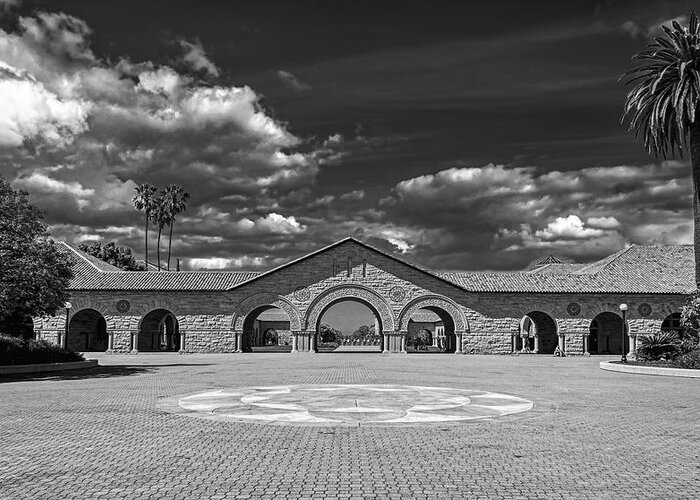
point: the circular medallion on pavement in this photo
(350, 404)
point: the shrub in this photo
(18, 351)
(689, 360)
(662, 345)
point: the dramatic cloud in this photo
(636, 29)
(292, 82)
(196, 58)
(495, 216)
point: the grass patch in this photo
(18, 351)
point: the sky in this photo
(456, 135)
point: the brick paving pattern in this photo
(101, 433)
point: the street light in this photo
(67, 305)
(623, 308)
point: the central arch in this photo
(350, 292)
(365, 339)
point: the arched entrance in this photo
(672, 323)
(430, 329)
(605, 334)
(266, 329)
(349, 325)
(87, 331)
(159, 331)
(537, 334)
(448, 323)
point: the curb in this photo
(649, 370)
(47, 367)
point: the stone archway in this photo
(538, 334)
(251, 307)
(358, 293)
(87, 331)
(455, 324)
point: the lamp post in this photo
(623, 308)
(67, 305)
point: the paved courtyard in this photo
(115, 432)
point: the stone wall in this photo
(211, 321)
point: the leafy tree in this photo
(118, 256)
(34, 275)
(329, 334)
(363, 330)
(144, 201)
(174, 199)
(664, 102)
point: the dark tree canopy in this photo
(118, 256)
(329, 334)
(34, 275)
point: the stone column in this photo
(386, 343)
(403, 342)
(295, 342)
(585, 344)
(239, 341)
(560, 338)
(182, 342)
(135, 342)
(110, 341)
(312, 342)
(536, 350)
(513, 344)
(632, 341)
(458, 339)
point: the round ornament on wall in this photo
(123, 306)
(302, 294)
(574, 309)
(397, 294)
(644, 309)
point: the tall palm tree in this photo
(175, 200)
(664, 102)
(144, 201)
(161, 218)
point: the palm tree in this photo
(663, 103)
(144, 201)
(161, 218)
(175, 201)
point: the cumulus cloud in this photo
(640, 29)
(196, 58)
(495, 216)
(292, 82)
(29, 111)
(356, 195)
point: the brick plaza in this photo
(104, 434)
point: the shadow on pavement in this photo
(97, 372)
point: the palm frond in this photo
(665, 94)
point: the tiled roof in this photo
(637, 269)
(93, 274)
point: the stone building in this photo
(572, 307)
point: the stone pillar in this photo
(312, 342)
(403, 342)
(182, 342)
(514, 344)
(562, 346)
(632, 341)
(295, 342)
(386, 343)
(536, 350)
(585, 344)
(110, 341)
(458, 339)
(239, 341)
(135, 342)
